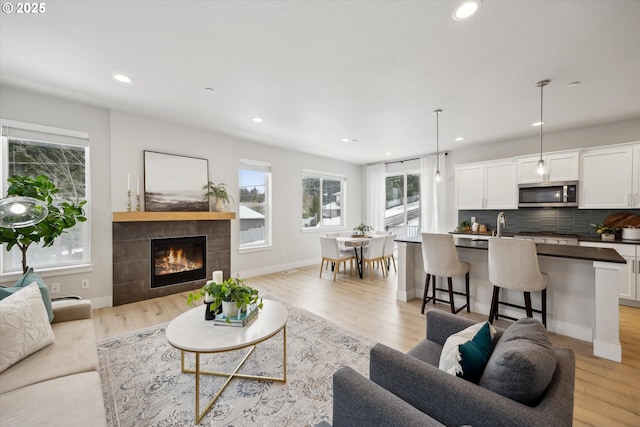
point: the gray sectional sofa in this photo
(58, 385)
(410, 390)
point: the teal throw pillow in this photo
(465, 354)
(28, 278)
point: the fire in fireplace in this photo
(177, 260)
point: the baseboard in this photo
(101, 302)
(276, 268)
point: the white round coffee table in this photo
(191, 333)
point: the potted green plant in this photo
(362, 229)
(231, 296)
(217, 192)
(62, 215)
(606, 232)
(464, 226)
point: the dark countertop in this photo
(558, 251)
(580, 238)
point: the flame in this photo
(174, 261)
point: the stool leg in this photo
(493, 311)
(426, 290)
(466, 285)
(450, 283)
(527, 303)
(544, 307)
(433, 289)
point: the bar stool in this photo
(513, 264)
(441, 259)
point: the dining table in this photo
(355, 243)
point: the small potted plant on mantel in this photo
(217, 192)
(231, 296)
(606, 232)
(362, 230)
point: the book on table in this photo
(242, 319)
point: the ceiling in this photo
(320, 71)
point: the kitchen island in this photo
(582, 292)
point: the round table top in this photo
(190, 332)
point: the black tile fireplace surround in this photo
(132, 255)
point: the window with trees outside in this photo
(402, 205)
(63, 156)
(255, 205)
(323, 198)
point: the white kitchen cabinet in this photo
(561, 166)
(629, 285)
(610, 177)
(487, 185)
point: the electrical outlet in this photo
(85, 283)
(55, 288)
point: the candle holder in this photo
(128, 200)
(138, 202)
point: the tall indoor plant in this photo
(62, 215)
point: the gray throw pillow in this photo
(522, 363)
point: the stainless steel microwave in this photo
(548, 195)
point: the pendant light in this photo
(437, 177)
(540, 168)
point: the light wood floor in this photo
(606, 393)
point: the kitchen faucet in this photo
(502, 220)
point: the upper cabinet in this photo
(610, 177)
(561, 166)
(487, 185)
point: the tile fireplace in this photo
(177, 260)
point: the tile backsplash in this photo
(559, 220)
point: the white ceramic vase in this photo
(229, 308)
(608, 237)
(219, 205)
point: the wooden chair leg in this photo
(335, 271)
(466, 287)
(425, 293)
(544, 307)
(321, 265)
(527, 304)
(450, 283)
(493, 311)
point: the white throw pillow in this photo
(24, 326)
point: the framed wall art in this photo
(173, 183)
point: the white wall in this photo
(29, 107)
(132, 134)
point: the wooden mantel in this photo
(172, 216)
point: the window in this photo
(402, 213)
(323, 197)
(255, 205)
(63, 156)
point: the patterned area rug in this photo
(143, 385)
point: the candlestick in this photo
(129, 182)
(138, 186)
(129, 200)
(138, 202)
(217, 276)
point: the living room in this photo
(119, 133)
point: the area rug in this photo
(143, 385)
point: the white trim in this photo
(320, 174)
(50, 272)
(5, 123)
(257, 248)
(281, 268)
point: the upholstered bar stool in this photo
(441, 259)
(513, 264)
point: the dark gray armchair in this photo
(410, 390)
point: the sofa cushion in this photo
(522, 363)
(28, 278)
(24, 326)
(465, 353)
(73, 351)
(70, 401)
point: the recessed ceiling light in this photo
(538, 123)
(122, 78)
(465, 9)
(573, 84)
(345, 140)
(387, 154)
(460, 138)
(257, 119)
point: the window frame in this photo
(55, 136)
(307, 173)
(404, 174)
(257, 166)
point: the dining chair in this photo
(388, 252)
(331, 253)
(440, 258)
(513, 264)
(373, 254)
